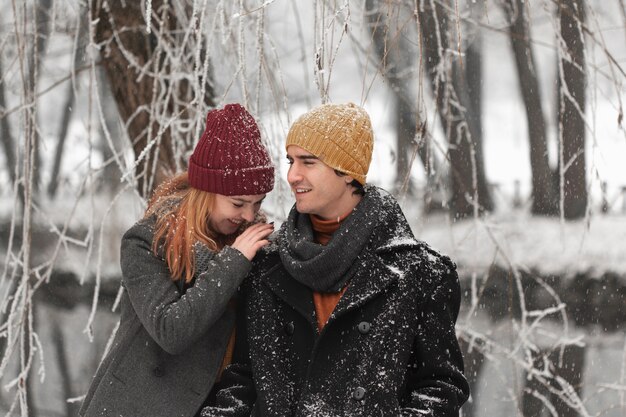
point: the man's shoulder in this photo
(435, 259)
(422, 271)
(417, 259)
(265, 260)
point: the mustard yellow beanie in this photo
(340, 135)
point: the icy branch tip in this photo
(148, 16)
(75, 399)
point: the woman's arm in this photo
(235, 392)
(173, 320)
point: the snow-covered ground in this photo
(518, 239)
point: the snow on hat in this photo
(340, 135)
(229, 158)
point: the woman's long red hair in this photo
(182, 219)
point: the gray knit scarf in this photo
(327, 268)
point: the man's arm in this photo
(435, 384)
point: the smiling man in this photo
(346, 314)
(317, 188)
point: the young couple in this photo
(343, 313)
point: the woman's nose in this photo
(248, 214)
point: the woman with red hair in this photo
(181, 267)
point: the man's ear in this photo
(348, 179)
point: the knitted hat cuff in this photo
(232, 182)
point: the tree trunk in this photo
(391, 53)
(474, 362)
(8, 143)
(67, 107)
(474, 67)
(132, 89)
(147, 93)
(469, 156)
(58, 152)
(543, 187)
(111, 172)
(470, 194)
(9, 146)
(572, 76)
(405, 124)
(58, 341)
(41, 33)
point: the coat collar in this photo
(371, 273)
(371, 278)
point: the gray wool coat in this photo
(169, 346)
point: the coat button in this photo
(364, 327)
(289, 328)
(158, 371)
(359, 393)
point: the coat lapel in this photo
(371, 278)
(296, 295)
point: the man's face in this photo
(230, 212)
(316, 186)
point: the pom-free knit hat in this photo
(340, 135)
(229, 158)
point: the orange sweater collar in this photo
(324, 229)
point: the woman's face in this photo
(230, 212)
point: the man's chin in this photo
(304, 209)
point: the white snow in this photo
(540, 243)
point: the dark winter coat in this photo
(169, 347)
(388, 349)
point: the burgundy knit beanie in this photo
(229, 158)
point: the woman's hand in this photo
(253, 239)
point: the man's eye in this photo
(289, 161)
(238, 205)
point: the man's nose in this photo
(293, 175)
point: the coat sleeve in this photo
(173, 320)
(435, 384)
(235, 391)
